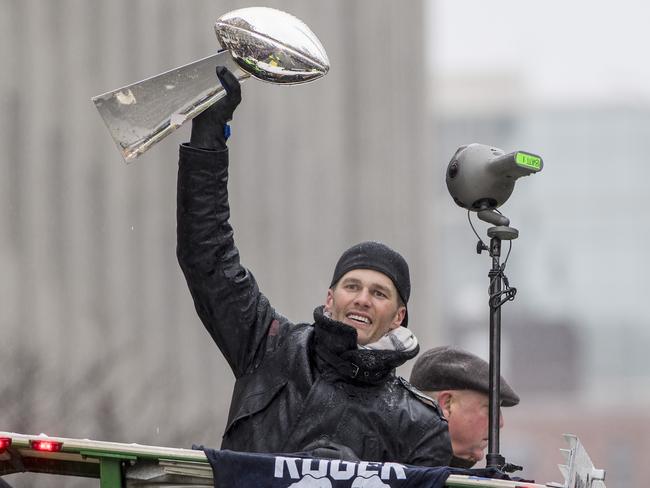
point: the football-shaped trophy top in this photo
(272, 45)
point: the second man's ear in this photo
(445, 400)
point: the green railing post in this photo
(110, 473)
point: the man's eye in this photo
(380, 294)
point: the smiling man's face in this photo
(368, 301)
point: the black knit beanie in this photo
(378, 257)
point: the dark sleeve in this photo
(226, 295)
(434, 446)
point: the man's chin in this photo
(362, 338)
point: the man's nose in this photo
(363, 297)
(501, 422)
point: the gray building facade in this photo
(99, 335)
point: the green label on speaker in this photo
(528, 161)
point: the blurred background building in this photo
(575, 338)
(99, 335)
(533, 76)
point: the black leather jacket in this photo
(298, 386)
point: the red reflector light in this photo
(47, 446)
(5, 443)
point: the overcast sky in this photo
(575, 49)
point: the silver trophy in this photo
(261, 42)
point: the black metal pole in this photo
(494, 458)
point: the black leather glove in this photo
(324, 448)
(209, 127)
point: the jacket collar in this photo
(336, 346)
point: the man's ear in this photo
(399, 318)
(329, 300)
(445, 400)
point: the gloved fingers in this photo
(209, 128)
(231, 84)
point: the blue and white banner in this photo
(239, 469)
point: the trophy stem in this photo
(141, 114)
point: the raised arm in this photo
(226, 295)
